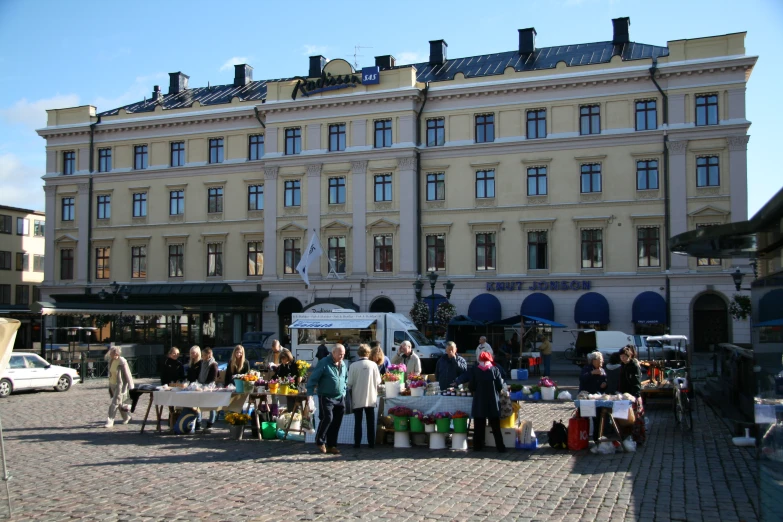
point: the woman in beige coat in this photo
(363, 380)
(120, 384)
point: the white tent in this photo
(8, 328)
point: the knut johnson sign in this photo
(326, 82)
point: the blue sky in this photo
(57, 54)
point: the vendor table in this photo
(608, 411)
(430, 404)
(190, 399)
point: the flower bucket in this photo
(240, 385)
(429, 428)
(392, 390)
(282, 389)
(235, 431)
(459, 441)
(537, 396)
(548, 393)
(460, 425)
(401, 376)
(269, 430)
(416, 425)
(438, 441)
(443, 425)
(273, 387)
(401, 439)
(401, 423)
(418, 392)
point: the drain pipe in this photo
(666, 200)
(418, 178)
(255, 109)
(89, 203)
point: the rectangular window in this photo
(436, 132)
(648, 246)
(291, 255)
(591, 178)
(36, 294)
(140, 204)
(39, 228)
(293, 141)
(5, 260)
(485, 252)
(66, 263)
(104, 160)
(69, 162)
(707, 109)
(176, 202)
(255, 258)
(485, 128)
(215, 259)
(178, 154)
(383, 134)
(590, 119)
(383, 253)
(67, 213)
(436, 186)
(383, 187)
(22, 294)
(255, 197)
(485, 184)
(176, 260)
(38, 263)
(139, 262)
(537, 250)
(22, 227)
(5, 294)
(707, 261)
(216, 150)
(102, 255)
(103, 207)
(336, 191)
(536, 181)
(536, 124)
(647, 175)
(592, 248)
(336, 137)
(255, 145)
(5, 224)
(215, 200)
(22, 261)
(436, 252)
(336, 253)
(140, 157)
(707, 171)
(292, 193)
(646, 115)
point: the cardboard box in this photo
(509, 437)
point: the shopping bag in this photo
(506, 406)
(578, 433)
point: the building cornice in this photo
(405, 94)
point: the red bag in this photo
(578, 433)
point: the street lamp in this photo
(116, 290)
(736, 276)
(433, 277)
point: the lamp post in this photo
(433, 278)
(116, 290)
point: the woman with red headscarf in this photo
(486, 383)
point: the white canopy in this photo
(332, 324)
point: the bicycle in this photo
(681, 403)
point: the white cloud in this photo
(314, 50)
(231, 62)
(140, 88)
(22, 184)
(409, 57)
(32, 114)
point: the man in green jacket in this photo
(329, 379)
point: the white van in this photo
(353, 328)
(606, 342)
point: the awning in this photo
(541, 320)
(538, 305)
(434, 306)
(774, 322)
(45, 308)
(771, 306)
(591, 308)
(327, 324)
(485, 307)
(464, 320)
(648, 308)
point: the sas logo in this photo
(371, 75)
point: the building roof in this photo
(23, 210)
(471, 67)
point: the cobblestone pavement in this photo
(66, 466)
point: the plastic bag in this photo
(564, 395)
(311, 404)
(604, 448)
(629, 445)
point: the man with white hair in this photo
(406, 356)
(329, 380)
(483, 347)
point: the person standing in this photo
(328, 380)
(377, 356)
(173, 371)
(238, 365)
(450, 366)
(406, 356)
(363, 380)
(273, 357)
(120, 384)
(483, 347)
(546, 355)
(322, 351)
(486, 382)
(631, 372)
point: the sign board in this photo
(537, 286)
(371, 75)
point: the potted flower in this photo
(460, 420)
(442, 421)
(429, 423)
(273, 385)
(547, 386)
(302, 367)
(417, 384)
(400, 370)
(401, 416)
(392, 383)
(417, 424)
(236, 424)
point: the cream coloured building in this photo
(541, 180)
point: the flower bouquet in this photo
(460, 420)
(417, 384)
(390, 377)
(273, 385)
(399, 370)
(429, 423)
(392, 383)
(237, 419)
(548, 387)
(443, 421)
(417, 425)
(401, 416)
(302, 367)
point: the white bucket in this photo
(437, 441)
(459, 441)
(429, 428)
(417, 392)
(514, 375)
(392, 390)
(548, 393)
(402, 439)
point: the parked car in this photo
(222, 355)
(28, 371)
(258, 340)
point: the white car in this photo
(27, 371)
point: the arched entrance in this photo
(289, 305)
(382, 305)
(710, 322)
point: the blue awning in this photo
(774, 322)
(464, 320)
(485, 307)
(434, 306)
(540, 320)
(648, 308)
(538, 305)
(771, 306)
(591, 308)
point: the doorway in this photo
(289, 306)
(710, 322)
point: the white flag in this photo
(313, 251)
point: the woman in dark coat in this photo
(173, 371)
(593, 378)
(486, 383)
(238, 365)
(631, 372)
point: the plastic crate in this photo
(517, 396)
(532, 446)
(509, 437)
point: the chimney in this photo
(178, 82)
(385, 62)
(620, 26)
(438, 52)
(243, 74)
(156, 94)
(317, 64)
(527, 40)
